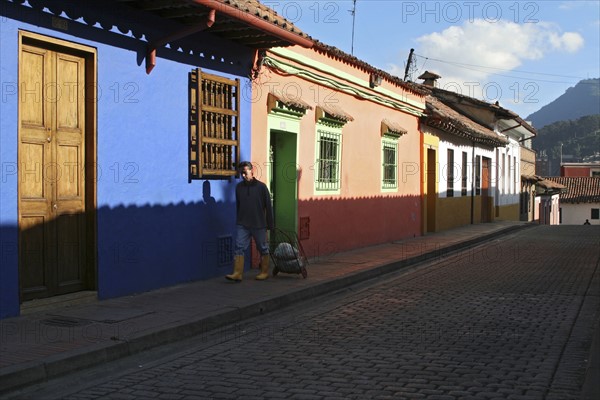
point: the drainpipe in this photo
(257, 22)
(151, 51)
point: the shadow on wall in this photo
(9, 280)
(144, 248)
(138, 248)
(342, 224)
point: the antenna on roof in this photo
(353, 12)
(408, 68)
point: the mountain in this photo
(579, 138)
(567, 141)
(578, 101)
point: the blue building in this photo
(121, 125)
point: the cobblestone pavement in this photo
(510, 319)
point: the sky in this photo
(523, 54)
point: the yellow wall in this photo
(453, 212)
(507, 213)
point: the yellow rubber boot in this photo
(238, 269)
(264, 268)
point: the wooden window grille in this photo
(214, 125)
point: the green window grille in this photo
(328, 163)
(390, 164)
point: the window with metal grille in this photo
(390, 163)
(328, 161)
(225, 250)
(214, 125)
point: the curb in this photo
(18, 376)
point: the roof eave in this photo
(253, 20)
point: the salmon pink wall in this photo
(362, 213)
(340, 224)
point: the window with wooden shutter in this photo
(214, 125)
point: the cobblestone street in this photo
(510, 319)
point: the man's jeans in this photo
(242, 240)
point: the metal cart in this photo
(287, 253)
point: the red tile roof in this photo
(449, 97)
(340, 55)
(579, 189)
(443, 117)
(236, 20)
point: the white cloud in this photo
(504, 42)
(567, 5)
(571, 41)
(395, 70)
(502, 45)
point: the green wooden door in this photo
(284, 180)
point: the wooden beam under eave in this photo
(151, 51)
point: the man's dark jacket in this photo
(253, 203)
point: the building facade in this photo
(527, 170)
(580, 200)
(110, 184)
(477, 148)
(458, 172)
(336, 140)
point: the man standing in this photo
(254, 215)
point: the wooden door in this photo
(431, 190)
(284, 180)
(52, 241)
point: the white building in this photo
(580, 201)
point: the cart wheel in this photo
(275, 271)
(303, 272)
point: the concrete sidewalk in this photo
(45, 344)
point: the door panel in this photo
(70, 254)
(33, 254)
(70, 102)
(32, 161)
(68, 182)
(32, 83)
(51, 175)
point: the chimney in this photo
(429, 78)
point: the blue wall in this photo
(154, 229)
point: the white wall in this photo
(549, 206)
(508, 182)
(458, 148)
(576, 214)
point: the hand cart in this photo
(287, 253)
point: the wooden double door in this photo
(53, 228)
